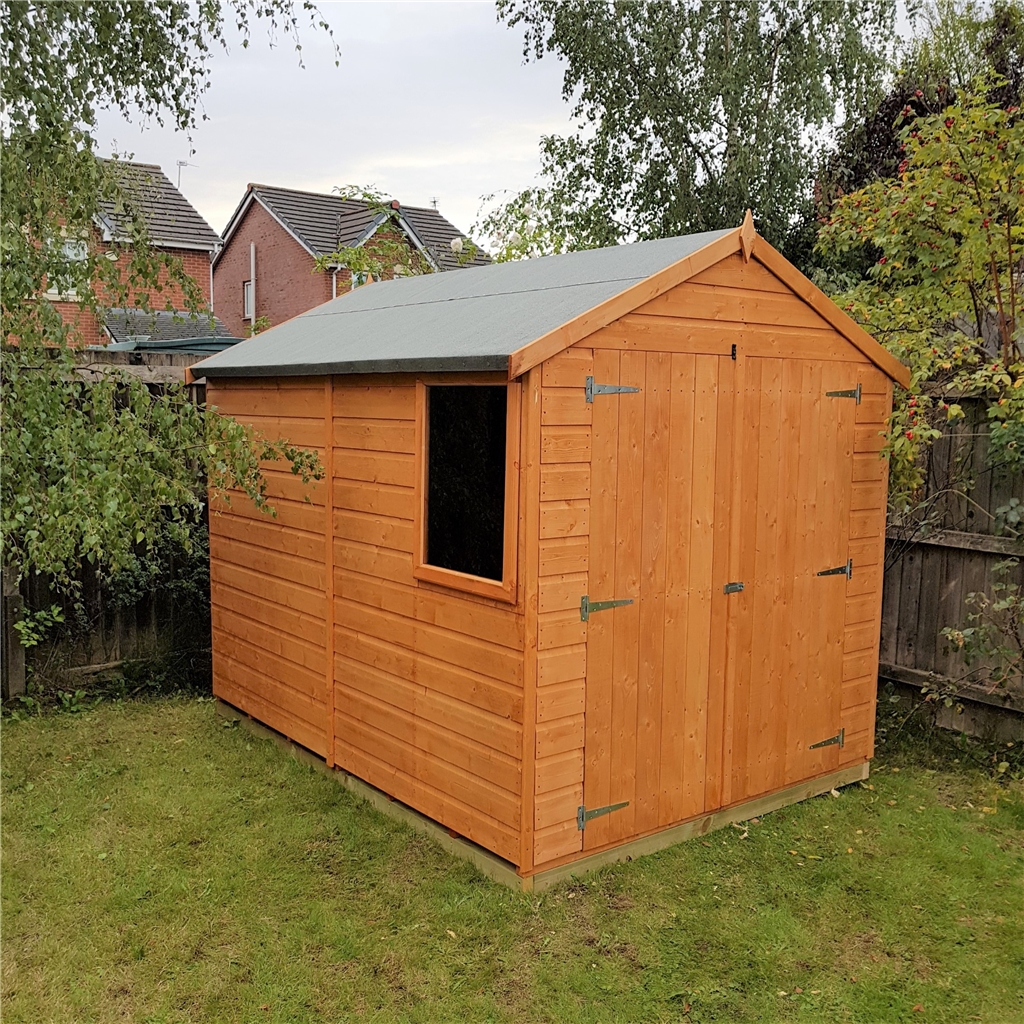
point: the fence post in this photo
(12, 656)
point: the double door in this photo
(720, 491)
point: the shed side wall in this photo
(267, 572)
(429, 681)
(867, 549)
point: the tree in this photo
(945, 291)
(694, 110)
(526, 224)
(103, 471)
(960, 42)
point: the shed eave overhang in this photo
(434, 364)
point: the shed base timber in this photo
(697, 826)
(503, 871)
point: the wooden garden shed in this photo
(597, 560)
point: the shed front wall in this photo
(689, 699)
(426, 692)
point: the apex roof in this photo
(471, 321)
(323, 223)
(172, 221)
(507, 316)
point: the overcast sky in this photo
(430, 100)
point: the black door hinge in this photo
(732, 588)
(840, 570)
(838, 740)
(583, 815)
(853, 393)
(606, 389)
(734, 351)
(587, 606)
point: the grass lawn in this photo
(158, 867)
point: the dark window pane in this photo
(466, 479)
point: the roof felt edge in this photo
(435, 364)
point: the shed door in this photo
(716, 471)
(794, 479)
(659, 519)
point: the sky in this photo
(431, 101)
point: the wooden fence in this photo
(934, 563)
(109, 633)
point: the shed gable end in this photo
(732, 303)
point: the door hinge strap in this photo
(732, 588)
(606, 389)
(583, 815)
(838, 740)
(587, 606)
(840, 570)
(852, 393)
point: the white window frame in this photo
(74, 250)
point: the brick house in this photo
(271, 243)
(175, 227)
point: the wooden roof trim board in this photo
(744, 239)
(603, 314)
(774, 261)
(748, 233)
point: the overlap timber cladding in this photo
(267, 573)
(719, 469)
(429, 682)
(428, 700)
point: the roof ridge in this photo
(130, 163)
(322, 310)
(306, 192)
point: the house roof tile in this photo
(173, 222)
(161, 325)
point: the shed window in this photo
(466, 479)
(469, 486)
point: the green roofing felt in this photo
(468, 321)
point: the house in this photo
(274, 237)
(597, 564)
(174, 227)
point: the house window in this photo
(469, 486)
(247, 300)
(62, 285)
(359, 278)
